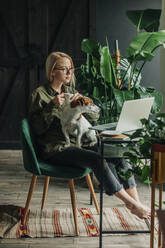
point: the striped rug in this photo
(60, 223)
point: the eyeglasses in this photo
(65, 69)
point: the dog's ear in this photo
(81, 101)
(73, 104)
(78, 102)
(88, 101)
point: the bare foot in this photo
(139, 210)
(135, 206)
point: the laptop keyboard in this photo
(112, 128)
(103, 127)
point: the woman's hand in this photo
(59, 99)
(75, 97)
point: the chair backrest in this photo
(31, 163)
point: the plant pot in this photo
(158, 159)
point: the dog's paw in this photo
(67, 145)
(92, 143)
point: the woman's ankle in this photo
(125, 197)
(133, 193)
(136, 207)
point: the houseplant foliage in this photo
(148, 19)
(152, 132)
(97, 78)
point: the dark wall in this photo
(112, 22)
(30, 29)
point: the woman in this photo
(45, 107)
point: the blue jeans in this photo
(90, 158)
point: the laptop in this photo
(129, 120)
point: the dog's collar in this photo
(79, 117)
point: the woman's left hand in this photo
(75, 97)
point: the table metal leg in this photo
(152, 205)
(160, 207)
(101, 196)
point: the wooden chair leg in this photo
(31, 189)
(47, 179)
(90, 185)
(74, 207)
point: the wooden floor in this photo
(14, 184)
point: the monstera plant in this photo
(99, 77)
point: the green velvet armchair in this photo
(34, 165)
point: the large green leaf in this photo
(142, 92)
(158, 101)
(121, 96)
(96, 92)
(143, 45)
(96, 64)
(105, 66)
(89, 46)
(147, 19)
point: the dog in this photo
(74, 123)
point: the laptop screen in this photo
(132, 112)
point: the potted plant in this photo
(99, 77)
(146, 142)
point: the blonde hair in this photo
(51, 62)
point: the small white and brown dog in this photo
(74, 123)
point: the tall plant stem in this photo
(113, 70)
(88, 62)
(139, 72)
